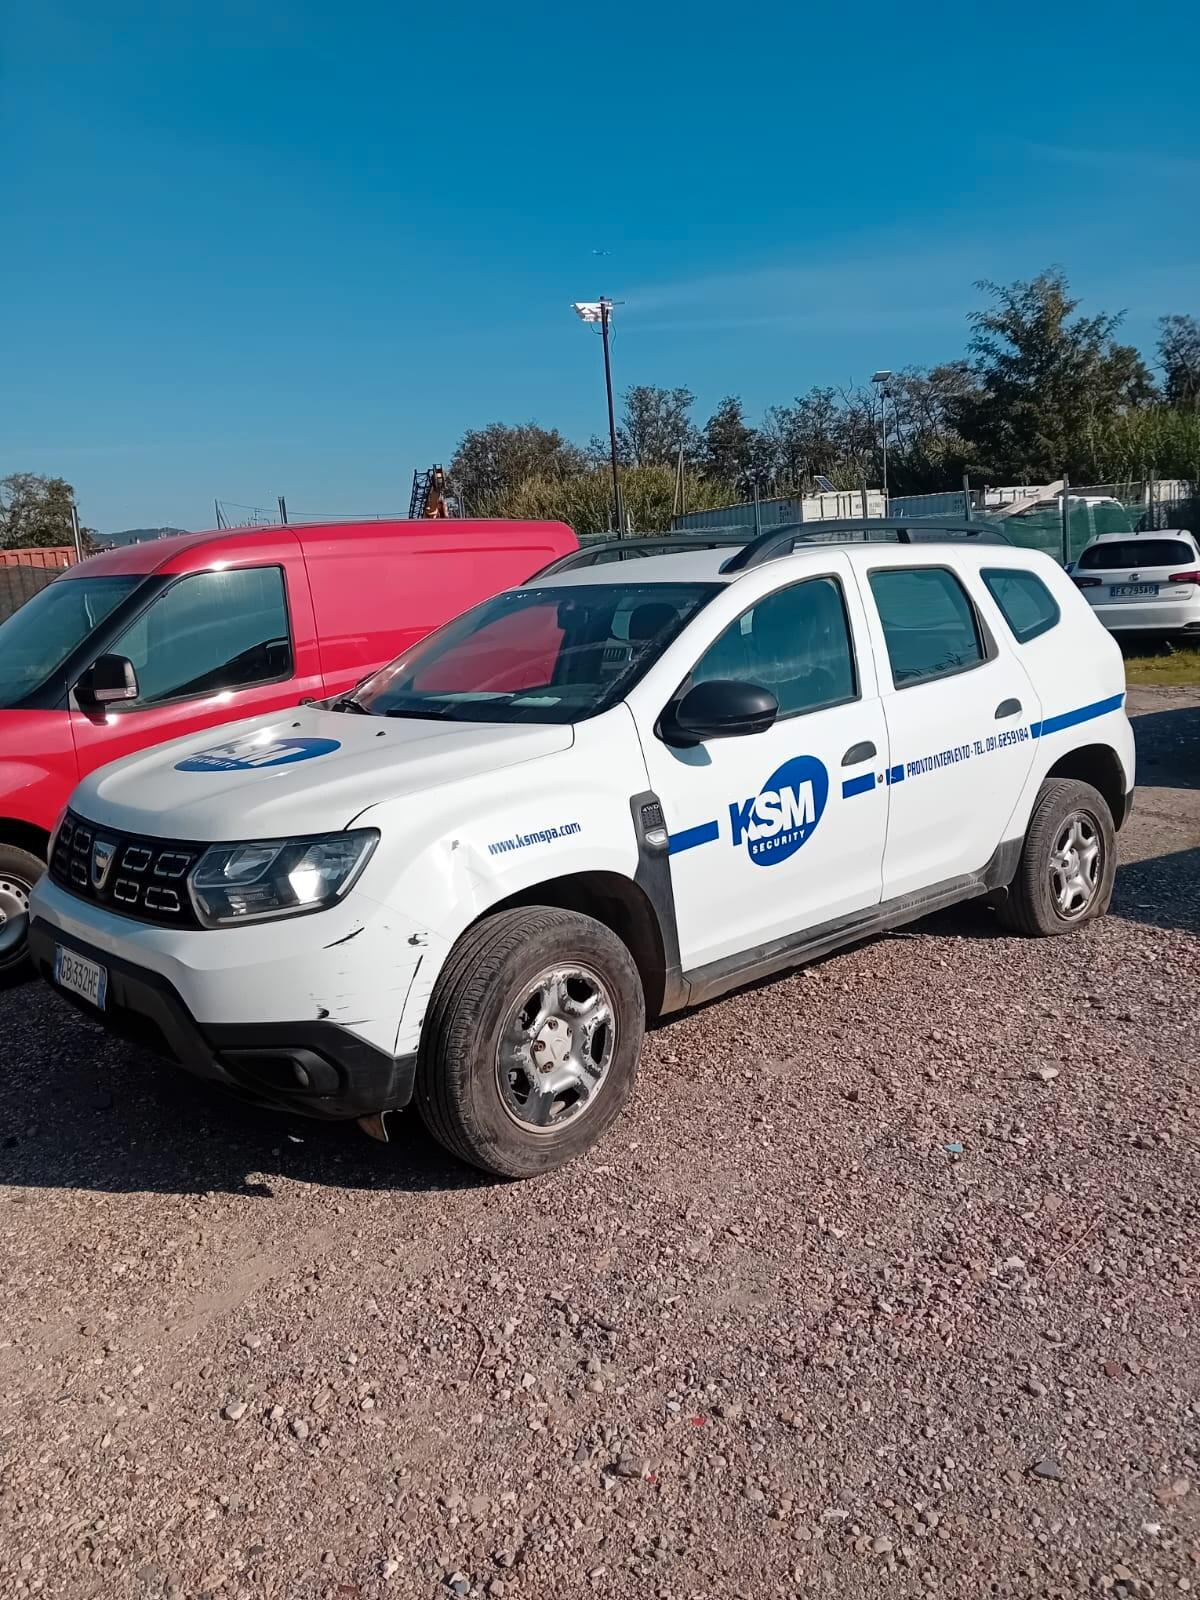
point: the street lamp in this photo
(881, 378)
(601, 311)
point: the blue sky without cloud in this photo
(257, 249)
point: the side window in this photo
(795, 643)
(1028, 606)
(928, 621)
(209, 632)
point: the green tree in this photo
(36, 511)
(584, 499)
(730, 445)
(1044, 380)
(489, 460)
(1179, 357)
(655, 424)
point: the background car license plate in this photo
(1128, 591)
(88, 979)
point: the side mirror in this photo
(109, 680)
(724, 708)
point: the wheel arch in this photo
(622, 905)
(1099, 765)
(25, 836)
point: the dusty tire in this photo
(477, 1088)
(1069, 820)
(19, 871)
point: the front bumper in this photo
(316, 1068)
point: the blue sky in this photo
(257, 249)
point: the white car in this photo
(611, 793)
(1142, 583)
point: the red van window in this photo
(517, 651)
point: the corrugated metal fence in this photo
(24, 572)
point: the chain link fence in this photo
(1034, 518)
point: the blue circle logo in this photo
(248, 755)
(782, 816)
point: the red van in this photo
(156, 640)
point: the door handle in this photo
(1008, 708)
(858, 752)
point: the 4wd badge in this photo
(781, 817)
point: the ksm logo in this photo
(777, 820)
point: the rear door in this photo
(958, 705)
(211, 648)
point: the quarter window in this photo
(796, 643)
(209, 632)
(928, 621)
(1028, 606)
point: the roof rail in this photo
(782, 541)
(629, 549)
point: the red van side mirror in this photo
(109, 680)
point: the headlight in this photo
(269, 878)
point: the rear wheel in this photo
(531, 1044)
(1068, 862)
(19, 871)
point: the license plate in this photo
(1131, 591)
(88, 979)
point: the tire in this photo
(477, 1089)
(1038, 903)
(19, 871)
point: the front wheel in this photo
(531, 1043)
(19, 871)
(1068, 862)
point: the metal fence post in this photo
(1066, 519)
(967, 496)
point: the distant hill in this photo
(135, 536)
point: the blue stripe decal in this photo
(895, 775)
(861, 785)
(1071, 719)
(703, 833)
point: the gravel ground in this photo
(887, 1285)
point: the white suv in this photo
(612, 793)
(1142, 582)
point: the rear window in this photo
(1028, 606)
(1136, 553)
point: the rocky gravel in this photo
(887, 1284)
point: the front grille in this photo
(127, 873)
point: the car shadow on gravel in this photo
(1163, 891)
(81, 1110)
(1168, 748)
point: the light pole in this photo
(881, 378)
(601, 311)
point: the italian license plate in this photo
(1133, 591)
(88, 979)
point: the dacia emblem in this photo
(103, 852)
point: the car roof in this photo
(185, 552)
(706, 566)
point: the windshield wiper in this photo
(347, 702)
(428, 713)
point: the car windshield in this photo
(555, 654)
(1136, 553)
(36, 640)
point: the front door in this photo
(212, 648)
(776, 832)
